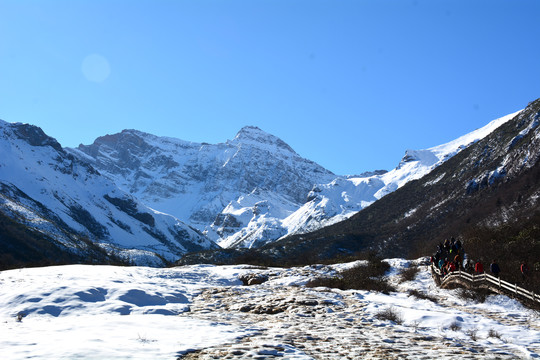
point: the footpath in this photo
(296, 322)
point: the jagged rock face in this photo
(127, 157)
(52, 192)
(34, 136)
(164, 167)
(200, 183)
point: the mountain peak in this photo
(255, 136)
(250, 128)
(31, 134)
(251, 133)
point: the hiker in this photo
(441, 264)
(453, 246)
(458, 244)
(524, 270)
(440, 248)
(435, 258)
(479, 267)
(468, 266)
(458, 261)
(444, 267)
(494, 268)
(446, 245)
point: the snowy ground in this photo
(204, 312)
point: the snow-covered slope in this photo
(107, 312)
(221, 189)
(343, 197)
(49, 190)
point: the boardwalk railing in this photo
(484, 279)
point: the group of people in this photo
(450, 257)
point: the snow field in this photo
(203, 311)
(77, 312)
(111, 337)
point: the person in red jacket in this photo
(457, 261)
(524, 270)
(479, 267)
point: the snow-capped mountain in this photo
(343, 197)
(238, 192)
(52, 192)
(253, 189)
(487, 194)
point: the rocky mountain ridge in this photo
(221, 189)
(254, 189)
(73, 207)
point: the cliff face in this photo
(61, 202)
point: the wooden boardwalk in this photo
(486, 281)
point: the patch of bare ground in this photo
(303, 323)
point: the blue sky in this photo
(350, 84)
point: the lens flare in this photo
(96, 68)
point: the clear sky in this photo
(349, 84)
